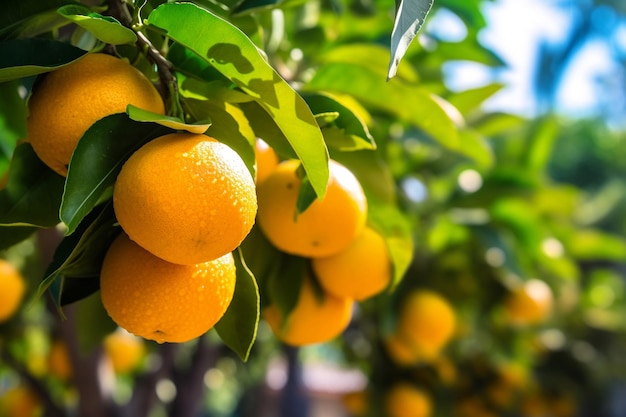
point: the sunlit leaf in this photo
(105, 28)
(141, 115)
(21, 58)
(410, 103)
(410, 16)
(232, 53)
(238, 327)
(471, 99)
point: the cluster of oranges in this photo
(349, 261)
(184, 202)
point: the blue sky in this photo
(514, 31)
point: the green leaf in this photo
(469, 100)
(592, 244)
(105, 28)
(264, 127)
(474, 146)
(33, 192)
(97, 159)
(238, 327)
(408, 102)
(347, 131)
(371, 56)
(230, 51)
(29, 18)
(21, 58)
(383, 212)
(257, 6)
(410, 16)
(141, 115)
(80, 255)
(11, 235)
(93, 323)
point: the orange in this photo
(185, 198)
(406, 400)
(313, 320)
(360, 271)
(266, 160)
(124, 350)
(69, 100)
(59, 363)
(355, 402)
(326, 227)
(12, 288)
(427, 322)
(162, 301)
(19, 401)
(529, 303)
(400, 351)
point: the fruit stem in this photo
(169, 85)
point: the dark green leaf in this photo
(284, 284)
(105, 28)
(238, 327)
(97, 160)
(80, 255)
(28, 18)
(231, 52)
(33, 192)
(25, 57)
(11, 235)
(410, 16)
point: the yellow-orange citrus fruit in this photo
(427, 322)
(326, 227)
(125, 350)
(19, 401)
(160, 300)
(355, 402)
(360, 271)
(69, 100)
(266, 160)
(59, 363)
(313, 320)
(12, 287)
(186, 198)
(406, 400)
(400, 351)
(530, 303)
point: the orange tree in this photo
(461, 198)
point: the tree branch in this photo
(168, 84)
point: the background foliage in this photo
(470, 201)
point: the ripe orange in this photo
(360, 271)
(326, 227)
(313, 320)
(186, 198)
(530, 303)
(12, 289)
(266, 160)
(124, 350)
(59, 363)
(427, 322)
(162, 301)
(406, 400)
(69, 100)
(19, 401)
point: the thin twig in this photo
(168, 84)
